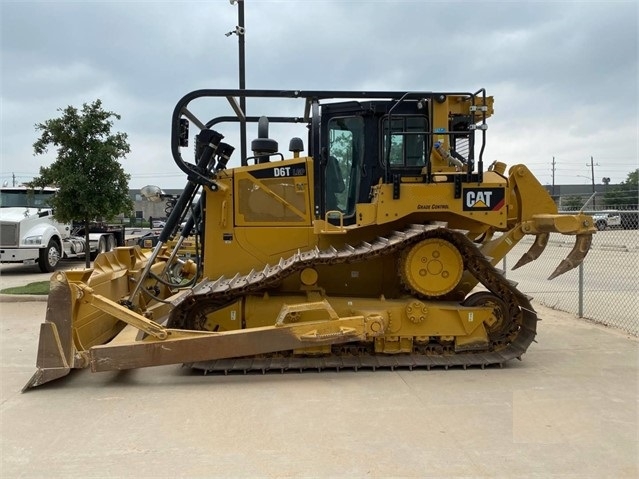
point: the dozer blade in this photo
(576, 255)
(538, 247)
(86, 327)
(55, 349)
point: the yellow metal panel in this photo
(435, 202)
(274, 193)
(366, 214)
(228, 318)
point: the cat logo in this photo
(483, 199)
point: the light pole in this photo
(592, 177)
(593, 189)
(240, 31)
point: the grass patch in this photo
(39, 287)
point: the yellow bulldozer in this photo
(376, 250)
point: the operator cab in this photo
(361, 143)
(357, 140)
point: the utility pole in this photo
(553, 176)
(592, 176)
(240, 31)
(13, 176)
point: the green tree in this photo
(572, 203)
(91, 181)
(626, 194)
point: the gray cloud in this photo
(564, 74)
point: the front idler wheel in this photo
(499, 322)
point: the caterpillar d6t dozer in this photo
(376, 250)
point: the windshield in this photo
(25, 198)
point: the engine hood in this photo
(16, 215)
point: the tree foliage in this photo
(571, 203)
(626, 194)
(91, 181)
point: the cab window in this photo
(407, 141)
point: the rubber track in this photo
(511, 342)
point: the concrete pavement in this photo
(569, 409)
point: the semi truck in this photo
(30, 234)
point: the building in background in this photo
(146, 211)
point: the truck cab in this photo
(30, 234)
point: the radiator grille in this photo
(8, 234)
(462, 146)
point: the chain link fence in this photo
(605, 288)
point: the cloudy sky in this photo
(563, 74)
